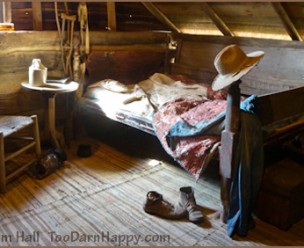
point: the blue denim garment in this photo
(248, 176)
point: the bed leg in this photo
(225, 197)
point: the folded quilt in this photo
(191, 152)
(189, 130)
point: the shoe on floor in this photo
(187, 202)
(156, 205)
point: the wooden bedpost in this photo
(229, 140)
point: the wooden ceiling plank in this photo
(6, 12)
(111, 11)
(289, 26)
(220, 24)
(160, 16)
(37, 15)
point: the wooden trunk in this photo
(281, 200)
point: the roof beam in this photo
(6, 12)
(289, 26)
(111, 16)
(37, 15)
(219, 23)
(160, 16)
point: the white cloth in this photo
(161, 89)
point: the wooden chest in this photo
(281, 199)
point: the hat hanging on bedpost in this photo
(232, 63)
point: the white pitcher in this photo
(37, 73)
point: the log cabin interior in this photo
(121, 123)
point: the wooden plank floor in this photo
(98, 201)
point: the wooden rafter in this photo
(160, 16)
(220, 24)
(37, 15)
(289, 26)
(111, 16)
(6, 12)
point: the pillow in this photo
(113, 85)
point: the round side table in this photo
(50, 90)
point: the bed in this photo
(155, 104)
(176, 86)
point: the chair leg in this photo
(36, 136)
(2, 165)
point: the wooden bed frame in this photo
(277, 81)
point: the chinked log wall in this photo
(19, 48)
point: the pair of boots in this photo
(184, 207)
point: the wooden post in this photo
(111, 16)
(229, 141)
(37, 15)
(6, 12)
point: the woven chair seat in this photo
(11, 124)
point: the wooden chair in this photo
(19, 135)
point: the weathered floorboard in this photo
(104, 194)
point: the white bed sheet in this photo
(135, 104)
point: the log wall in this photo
(17, 51)
(126, 56)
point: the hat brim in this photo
(222, 81)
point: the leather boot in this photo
(187, 202)
(155, 204)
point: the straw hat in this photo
(232, 63)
